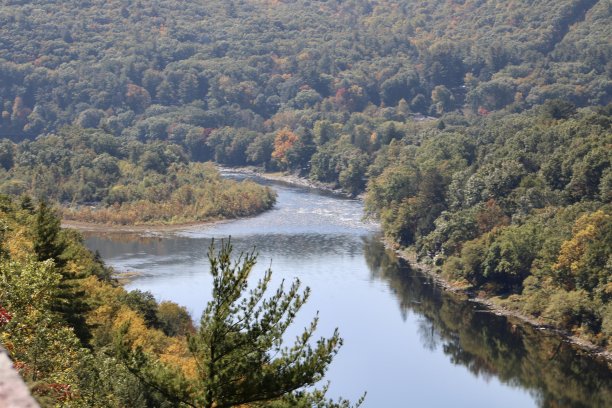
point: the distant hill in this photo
(134, 67)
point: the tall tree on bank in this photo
(47, 242)
(49, 245)
(239, 346)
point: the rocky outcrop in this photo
(13, 391)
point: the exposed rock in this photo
(13, 391)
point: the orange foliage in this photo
(482, 111)
(283, 142)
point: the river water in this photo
(406, 342)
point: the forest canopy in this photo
(225, 80)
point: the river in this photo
(406, 341)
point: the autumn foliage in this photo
(5, 316)
(40, 336)
(284, 141)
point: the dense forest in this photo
(274, 83)
(315, 87)
(516, 206)
(478, 131)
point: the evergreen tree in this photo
(48, 244)
(239, 348)
(26, 204)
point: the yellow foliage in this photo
(586, 229)
(100, 293)
(109, 316)
(98, 317)
(126, 167)
(151, 340)
(172, 351)
(19, 244)
(177, 354)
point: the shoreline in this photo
(138, 228)
(593, 350)
(291, 179)
(279, 177)
(596, 352)
(586, 346)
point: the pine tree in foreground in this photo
(239, 348)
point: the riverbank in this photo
(458, 289)
(514, 316)
(461, 290)
(138, 229)
(291, 179)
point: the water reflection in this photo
(405, 341)
(492, 346)
(144, 253)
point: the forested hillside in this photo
(222, 78)
(60, 311)
(132, 67)
(516, 206)
(478, 129)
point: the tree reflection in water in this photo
(553, 371)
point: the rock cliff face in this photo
(13, 391)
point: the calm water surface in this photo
(405, 341)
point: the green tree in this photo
(443, 99)
(144, 303)
(174, 319)
(323, 132)
(260, 150)
(7, 153)
(558, 109)
(47, 242)
(48, 351)
(239, 346)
